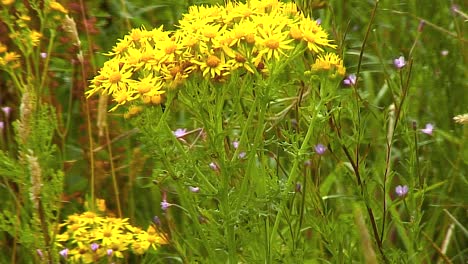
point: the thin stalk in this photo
(362, 190)
(291, 178)
(90, 144)
(112, 167)
(47, 61)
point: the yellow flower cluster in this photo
(329, 62)
(211, 42)
(22, 33)
(8, 59)
(89, 237)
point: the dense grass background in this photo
(430, 35)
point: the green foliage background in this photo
(437, 92)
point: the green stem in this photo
(292, 177)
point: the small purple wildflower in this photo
(180, 132)
(421, 25)
(194, 189)
(110, 252)
(6, 110)
(40, 254)
(350, 80)
(401, 190)
(318, 21)
(94, 247)
(428, 130)
(165, 205)
(156, 220)
(320, 149)
(242, 155)
(298, 187)
(214, 166)
(64, 253)
(400, 62)
(43, 55)
(235, 144)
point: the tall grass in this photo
(285, 167)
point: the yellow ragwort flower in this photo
(3, 48)
(7, 2)
(148, 86)
(313, 34)
(35, 37)
(57, 7)
(11, 57)
(329, 62)
(211, 41)
(273, 43)
(115, 77)
(213, 65)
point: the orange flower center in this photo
(250, 38)
(115, 77)
(174, 71)
(239, 34)
(213, 61)
(171, 48)
(107, 234)
(310, 37)
(144, 88)
(272, 44)
(147, 56)
(156, 99)
(295, 33)
(247, 13)
(239, 58)
(210, 34)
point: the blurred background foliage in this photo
(431, 33)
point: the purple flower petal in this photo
(401, 190)
(214, 166)
(94, 247)
(400, 62)
(428, 130)
(350, 80)
(165, 205)
(180, 132)
(64, 253)
(320, 149)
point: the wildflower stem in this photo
(112, 167)
(364, 42)
(292, 177)
(91, 146)
(45, 70)
(163, 122)
(362, 190)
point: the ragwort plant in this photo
(260, 91)
(260, 153)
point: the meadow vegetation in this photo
(272, 131)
